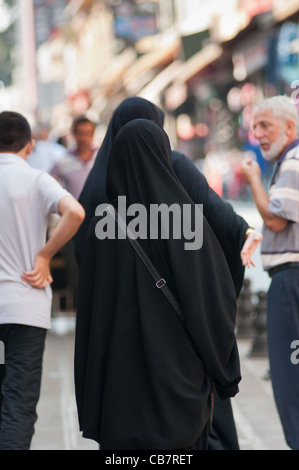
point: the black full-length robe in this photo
(228, 227)
(142, 377)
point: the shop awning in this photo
(144, 69)
(177, 93)
(120, 64)
(152, 91)
(199, 61)
(177, 74)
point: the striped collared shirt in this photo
(283, 247)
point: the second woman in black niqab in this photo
(94, 190)
(142, 376)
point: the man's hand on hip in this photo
(40, 276)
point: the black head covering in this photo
(94, 190)
(228, 227)
(130, 109)
(139, 382)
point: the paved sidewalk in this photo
(255, 413)
(57, 427)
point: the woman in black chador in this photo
(228, 227)
(143, 376)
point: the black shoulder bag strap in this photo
(159, 281)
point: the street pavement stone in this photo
(255, 412)
(57, 428)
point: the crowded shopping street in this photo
(149, 227)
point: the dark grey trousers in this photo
(283, 329)
(20, 380)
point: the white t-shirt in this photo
(27, 198)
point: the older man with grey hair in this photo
(275, 124)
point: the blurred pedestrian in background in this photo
(27, 198)
(275, 127)
(45, 153)
(231, 230)
(142, 376)
(71, 172)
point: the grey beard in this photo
(276, 148)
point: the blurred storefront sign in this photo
(133, 21)
(48, 16)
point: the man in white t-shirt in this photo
(27, 198)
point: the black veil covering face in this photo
(139, 382)
(94, 190)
